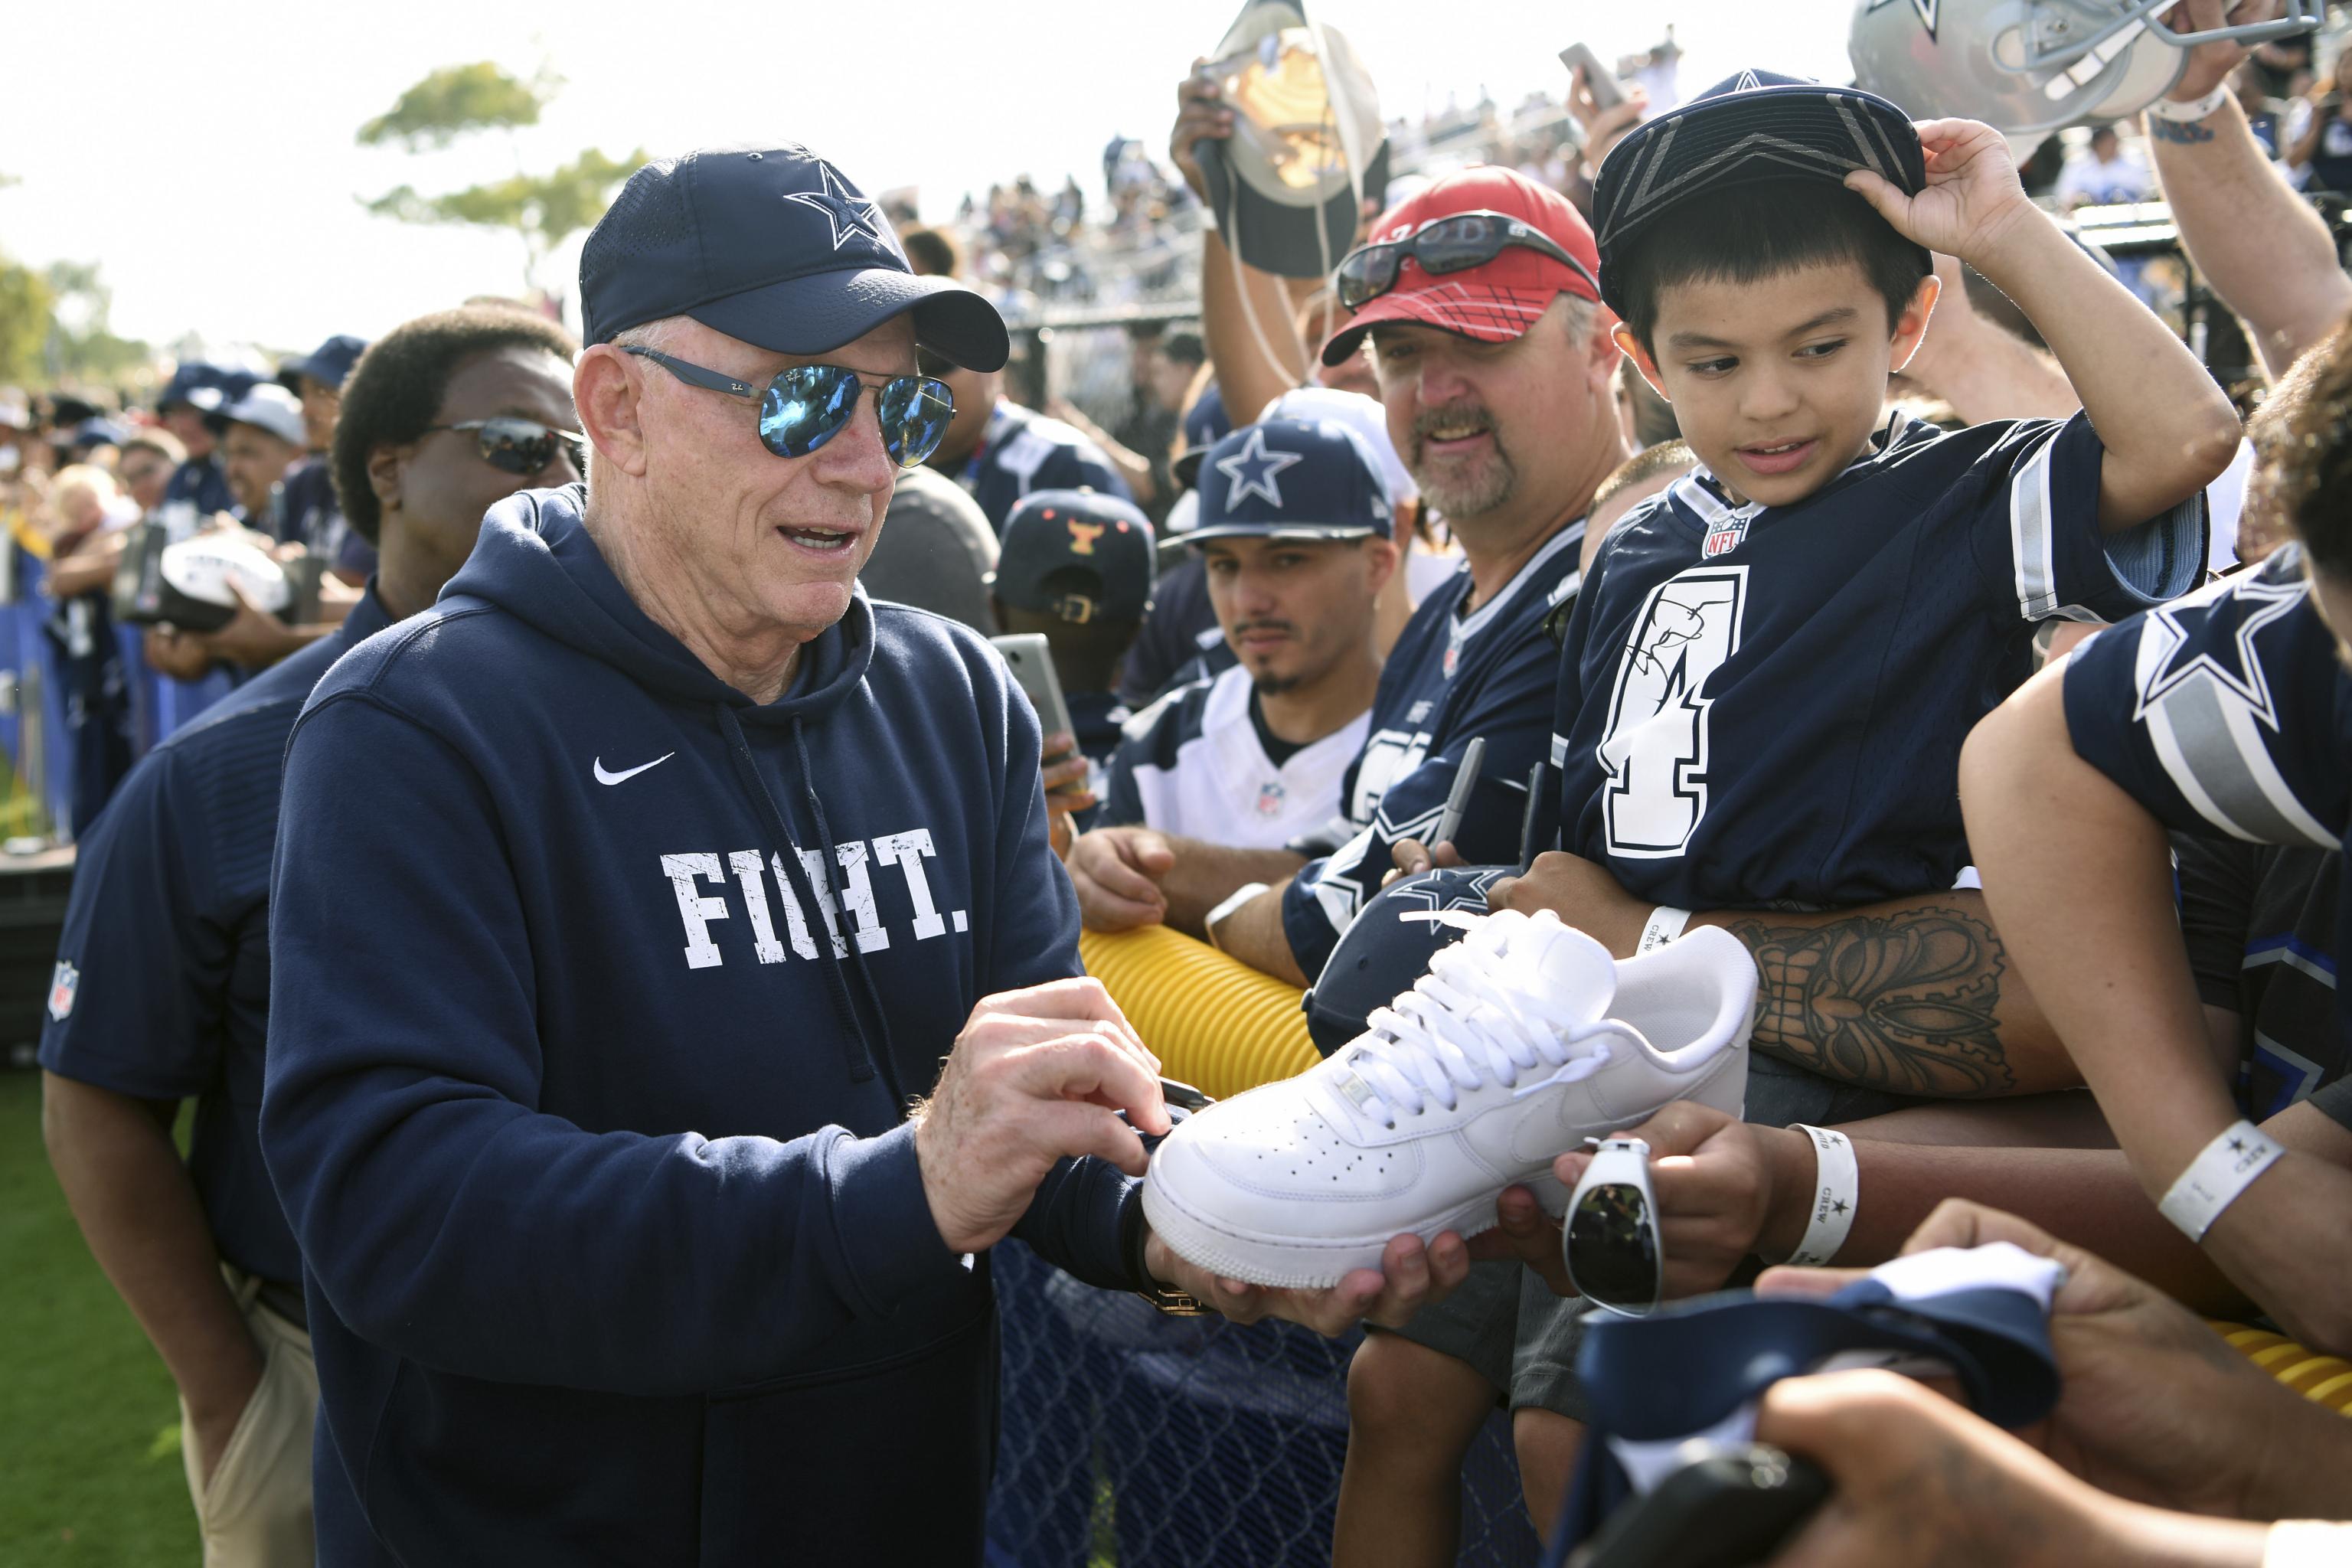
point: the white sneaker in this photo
(1524, 1040)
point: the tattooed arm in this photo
(1914, 996)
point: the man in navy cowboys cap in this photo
(687, 871)
(1294, 533)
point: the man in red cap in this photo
(1494, 359)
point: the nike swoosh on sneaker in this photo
(627, 773)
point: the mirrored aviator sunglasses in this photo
(1610, 1241)
(523, 447)
(808, 405)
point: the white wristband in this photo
(1234, 900)
(1665, 923)
(2222, 1169)
(2305, 1543)
(1837, 1188)
(2195, 109)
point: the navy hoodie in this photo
(588, 1076)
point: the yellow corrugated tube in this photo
(1214, 1023)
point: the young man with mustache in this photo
(1294, 531)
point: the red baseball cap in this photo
(1493, 303)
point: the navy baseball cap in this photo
(1205, 423)
(1291, 478)
(1079, 555)
(98, 431)
(327, 364)
(1758, 125)
(773, 246)
(204, 386)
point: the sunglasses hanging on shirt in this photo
(808, 404)
(1610, 1240)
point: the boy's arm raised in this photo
(2167, 428)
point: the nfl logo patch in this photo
(1270, 796)
(63, 983)
(1723, 537)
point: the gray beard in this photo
(1455, 500)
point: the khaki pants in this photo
(256, 1512)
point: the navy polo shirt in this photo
(161, 986)
(202, 482)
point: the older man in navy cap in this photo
(722, 1004)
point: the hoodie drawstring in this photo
(857, 953)
(859, 1050)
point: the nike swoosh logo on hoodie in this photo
(627, 773)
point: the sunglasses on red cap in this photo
(1453, 244)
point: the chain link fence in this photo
(1133, 1439)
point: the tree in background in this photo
(82, 348)
(24, 306)
(544, 210)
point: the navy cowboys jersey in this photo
(1193, 765)
(1023, 451)
(1450, 679)
(1766, 705)
(2226, 713)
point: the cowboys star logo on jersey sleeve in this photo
(2212, 716)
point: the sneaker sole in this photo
(1289, 1262)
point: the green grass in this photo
(90, 1430)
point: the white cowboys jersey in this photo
(1193, 765)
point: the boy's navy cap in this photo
(1291, 478)
(327, 364)
(773, 247)
(1075, 531)
(1755, 126)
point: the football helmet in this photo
(2029, 67)
(1388, 946)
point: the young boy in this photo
(1772, 667)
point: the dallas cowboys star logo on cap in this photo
(847, 212)
(1253, 469)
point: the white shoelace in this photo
(1420, 1048)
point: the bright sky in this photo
(206, 160)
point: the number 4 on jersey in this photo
(1657, 746)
